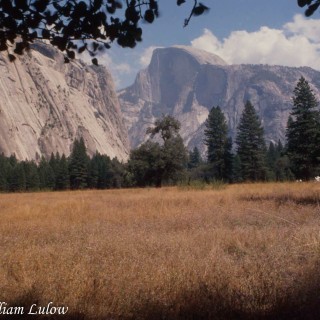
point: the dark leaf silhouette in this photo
(312, 8)
(302, 3)
(199, 10)
(180, 2)
(312, 5)
(149, 16)
(67, 23)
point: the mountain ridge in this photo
(175, 84)
(46, 104)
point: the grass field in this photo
(248, 251)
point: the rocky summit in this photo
(45, 104)
(187, 83)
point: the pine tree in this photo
(17, 178)
(32, 176)
(228, 161)
(54, 163)
(46, 175)
(115, 173)
(272, 157)
(218, 144)
(303, 132)
(236, 169)
(277, 164)
(251, 147)
(13, 160)
(78, 165)
(4, 172)
(194, 158)
(101, 173)
(282, 169)
(280, 148)
(62, 181)
(93, 171)
(108, 170)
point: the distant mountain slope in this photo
(45, 104)
(187, 83)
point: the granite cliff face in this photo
(187, 83)
(45, 104)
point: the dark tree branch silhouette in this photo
(312, 6)
(77, 26)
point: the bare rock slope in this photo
(45, 104)
(187, 83)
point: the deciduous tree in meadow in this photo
(154, 163)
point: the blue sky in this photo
(224, 16)
(240, 31)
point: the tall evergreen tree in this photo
(93, 171)
(101, 173)
(194, 158)
(62, 179)
(282, 169)
(251, 147)
(272, 157)
(46, 175)
(116, 173)
(13, 160)
(17, 178)
(277, 164)
(236, 169)
(218, 144)
(4, 172)
(78, 165)
(32, 176)
(303, 132)
(280, 148)
(228, 160)
(54, 161)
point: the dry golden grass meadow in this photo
(249, 251)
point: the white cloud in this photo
(146, 55)
(309, 28)
(296, 44)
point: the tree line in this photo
(249, 159)
(164, 160)
(78, 171)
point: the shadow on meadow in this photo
(203, 303)
(281, 199)
(302, 303)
